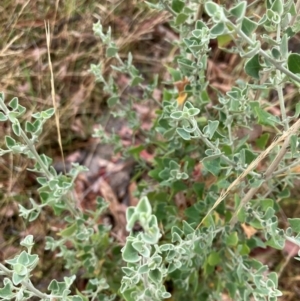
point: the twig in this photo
(285, 136)
(264, 54)
(248, 197)
(47, 29)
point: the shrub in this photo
(226, 183)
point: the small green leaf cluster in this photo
(143, 280)
(148, 263)
(118, 107)
(262, 216)
(19, 286)
(278, 16)
(172, 173)
(89, 244)
(53, 186)
(34, 129)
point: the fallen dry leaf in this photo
(145, 155)
(248, 230)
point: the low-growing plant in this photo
(225, 182)
(89, 243)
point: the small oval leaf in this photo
(294, 63)
(252, 67)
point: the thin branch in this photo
(249, 196)
(285, 136)
(277, 65)
(26, 283)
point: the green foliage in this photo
(221, 155)
(89, 242)
(180, 247)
